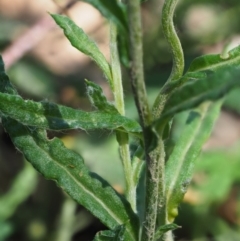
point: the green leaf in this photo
(192, 93)
(111, 235)
(22, 186)
(112, 10)
(215, 61)
(98, 99)
(56, 117)
(179, 166)
(55, 162)
(165, 228)
(82, 42)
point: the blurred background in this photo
(43, 65)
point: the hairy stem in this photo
(154, 190)
(137, 75)
(172, 38)
(155, 196)
(155, 157)
(177, 54)
(122, 138)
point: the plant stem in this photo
(155, 157)
(116, 70)
(154, 190)
(155, 196)
(137, 75)
(177, 54)
(177, 72)
(172, 38)
(122, 138)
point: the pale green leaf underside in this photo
(179, 167)
(98, 99)
(215, 61)
(83, 43)
(56, 117)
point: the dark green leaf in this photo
(82, 42)
(112, 10)
(165, 228)
(98, 99)
(54, 161)
(215, 61)
(192, 93)
(179, 167)
(111, 235)
(56, 117)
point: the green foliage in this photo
(198, 89)
(157, 177)
(216, 61)
(180, 165)
(55, 117)
(165, 228)
(108, 235)
(98, 99)
(83, 43)
(68, 169)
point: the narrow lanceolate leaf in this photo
(110, 235)
(54, 161)
(56, 117)
(216, 61)
(98, 99)
(191, 94)
(111, 10)
(83, 43)
(179, 167)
